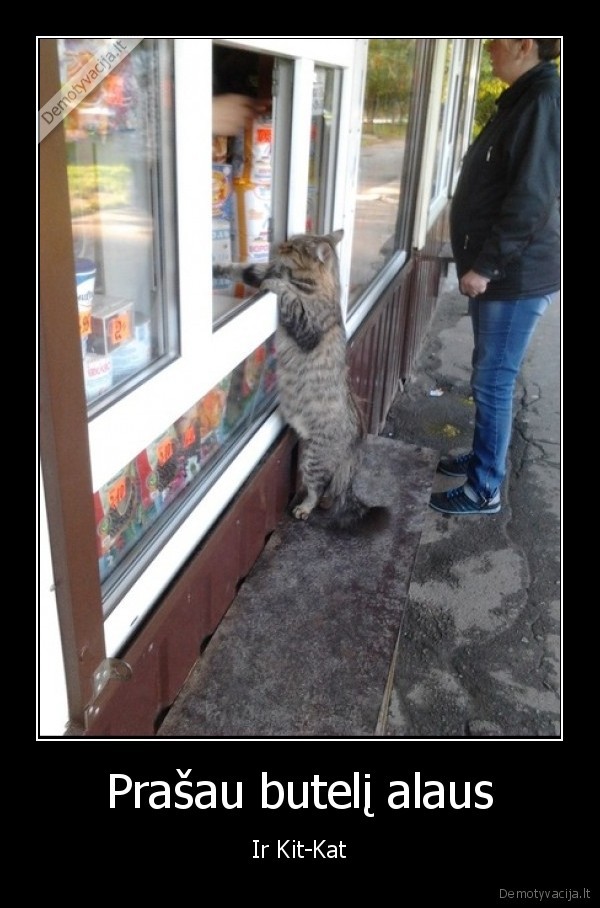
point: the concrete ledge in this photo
(307, 647)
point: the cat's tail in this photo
(352, 515)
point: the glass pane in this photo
(387, 102)
(443, 148)
(323, 134)
(120, 143)
(154, 492)
(242, 168)
(462, 134)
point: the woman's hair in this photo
(548, 48)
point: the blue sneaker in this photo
(454, 466)
(463, 501)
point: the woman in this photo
(505, 235)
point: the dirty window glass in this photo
(386, 108)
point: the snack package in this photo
(118, 513)
(187, 428)
(116, 505)
(253, 223)
(222, 191)
(161, 473)
(252, 178)
(219, 149)
(221, 251)
(211, 412)
(251, 154)
(97, 375)
(261, 169)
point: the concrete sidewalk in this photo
(307, 647)
(440, 627)
(479, 653)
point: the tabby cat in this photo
(312, 378)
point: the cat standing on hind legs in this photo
(314, 389)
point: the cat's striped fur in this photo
(312, 377)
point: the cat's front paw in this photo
(274, 284)
(222, 271)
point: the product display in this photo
(211, 412)
(188, 435)
(221, 251)
(241, 203)
(118, 299)
(252, 178)
(253, 218)
(118, 518)
(118, 138)
(130, 504)
(161, 473)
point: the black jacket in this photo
(505, 215)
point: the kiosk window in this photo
(121, 176)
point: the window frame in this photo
(208, 352)
(409, 178)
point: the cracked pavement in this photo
(479, 651)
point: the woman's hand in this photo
(231, 113)
(473, 284)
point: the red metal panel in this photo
(375, 352)
(383, 351)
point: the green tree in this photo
(389, 80)
(489, 89)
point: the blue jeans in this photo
(502, 330)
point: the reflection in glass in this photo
(325, 103)
(386, 107)
(242, 173)
(443, 145)
(120, 143)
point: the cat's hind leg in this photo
(306, 506)
(316, 478)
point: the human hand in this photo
(231, 113)
(473, 284)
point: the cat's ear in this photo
(324, 251)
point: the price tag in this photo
(189, 436)
(117, 494)
(85, 323)
(119, 329)
(164, 451)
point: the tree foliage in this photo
(389, 79)
(489, 89)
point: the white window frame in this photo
(208, 354)
(422, 213)
(53, 709)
